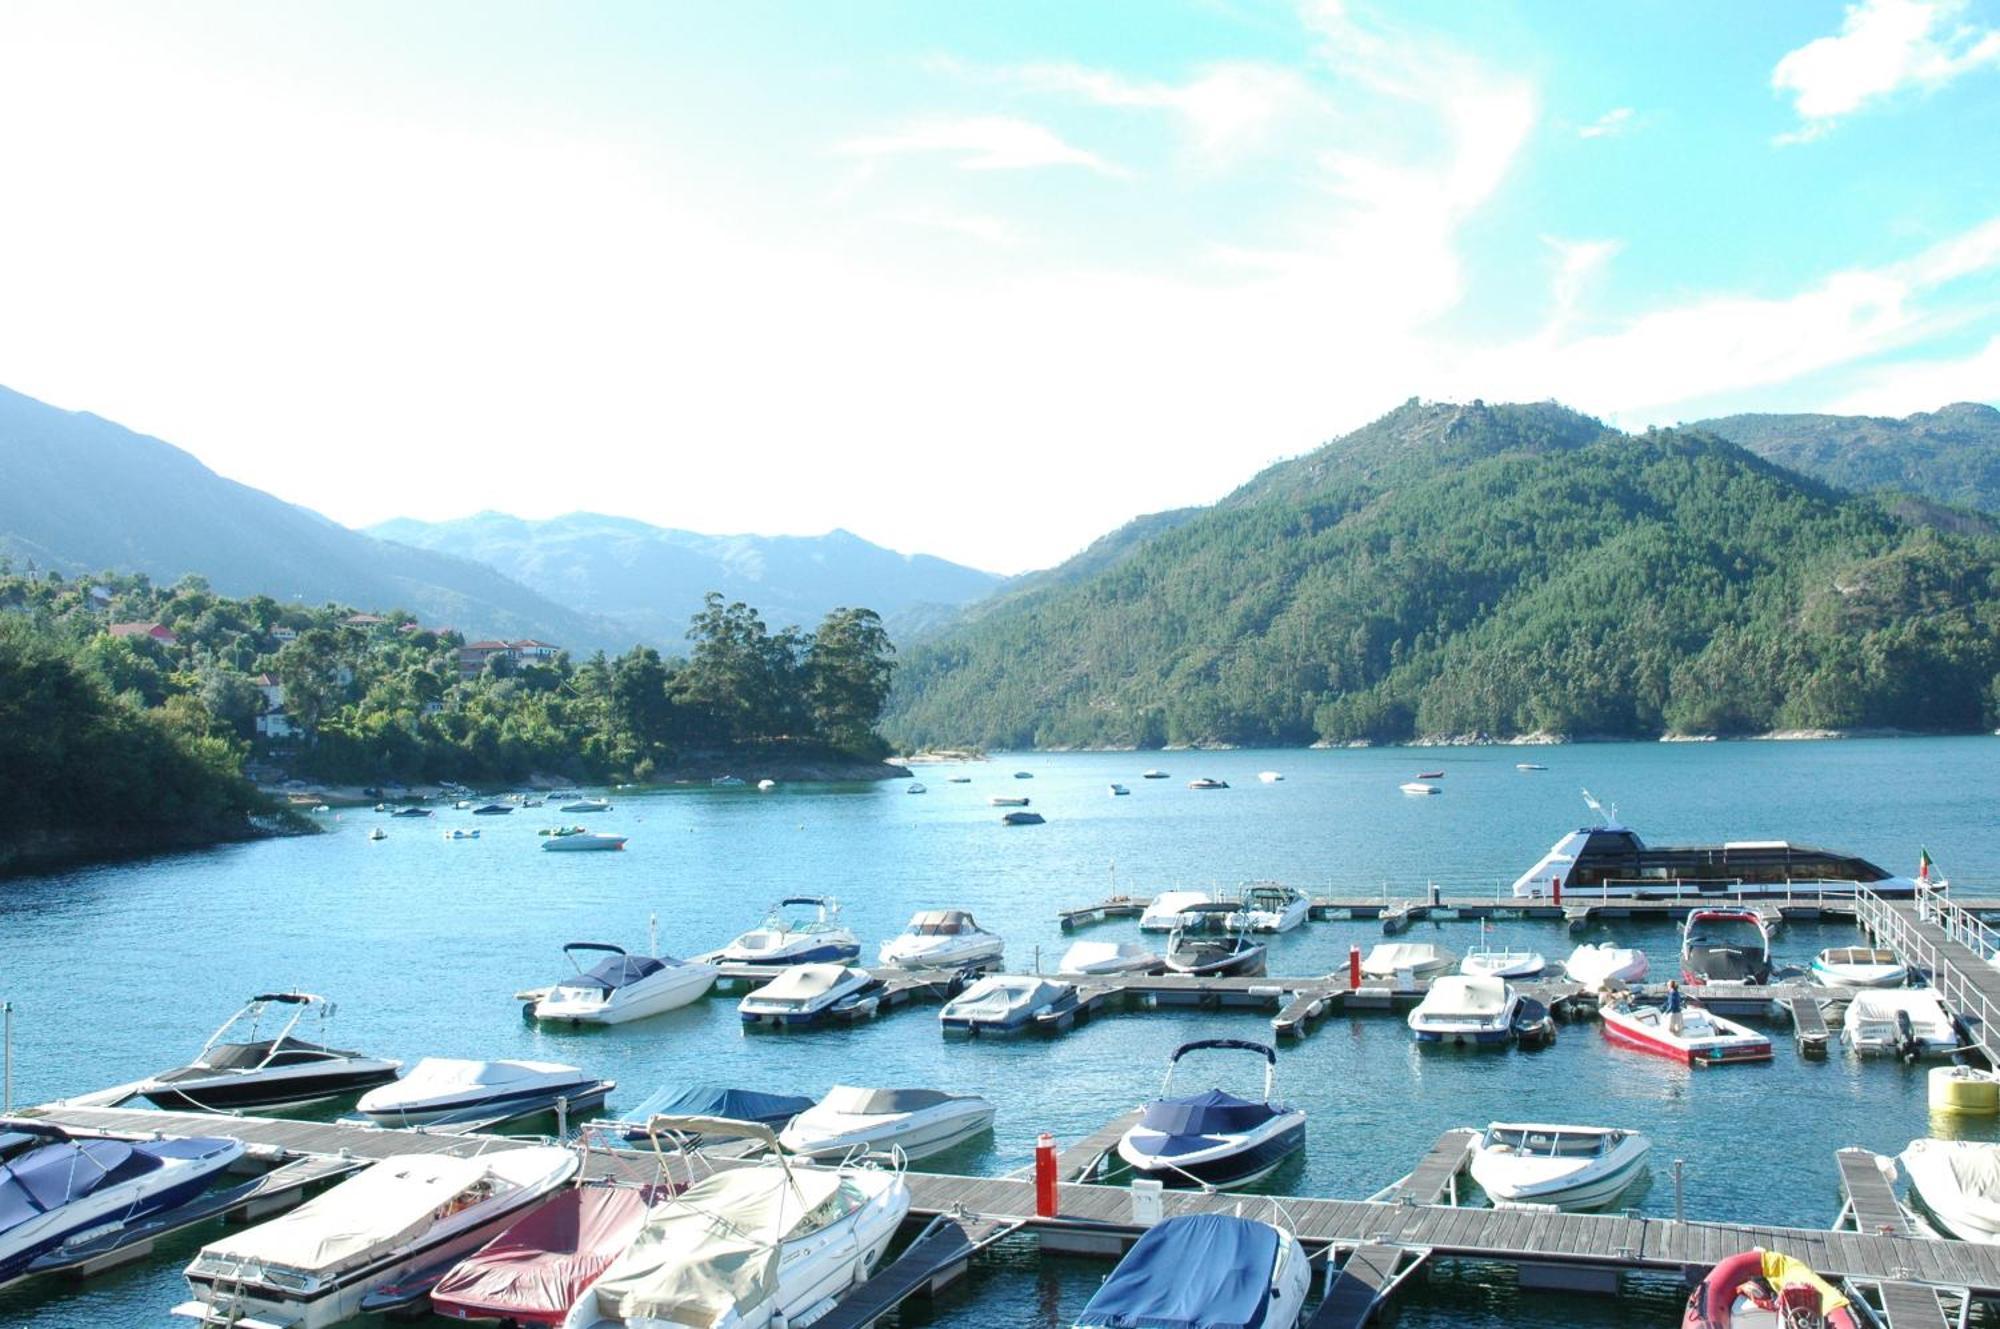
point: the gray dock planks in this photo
(939, 1254)
(1359, 1289)
(1908, 1306)
(1875, 1209)
(1432, 1180)
(1081, 1159)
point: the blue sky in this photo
(979, 280)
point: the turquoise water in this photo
(121, 971)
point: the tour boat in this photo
(620, 986)
(238, 1069)
(536, 1271)
(1859, 967)
(456, 1090)
(1906, 1022)
(1208, 946)
(1213, 1140)
(1208, 782)
(702, 1100)
(583, 842)
(1594, 964)
(918, 1122)
(1163, 913)
(64, 1190)
(588, 805)
(1204, 1271)
(1760, 1289)
(1420, 787)
(942, 939)
(1705, 1038)
(1420, 959)
(1267, 906)
(808, 993)
(1157, 774)
(1006, 1004)
(1567, 1167)
(1464, 1010)
(1958, 1183)
(1716, 948)
(817, 937)
(313, 1266)
(1095, 958)
(1022, 819)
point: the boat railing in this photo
(1896, 927)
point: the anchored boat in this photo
(1267, 906)
(808, 993)
(1568, 1167)
(1208, 946)
(942, 939)
(1596, 964)
(1859, 967)
(1204, 1271)
(1465, 1010)
(57, 1192)
(621, 986)
(1095, 958)
(1214, 1139)
(1907, 1023)
(918, 1122)
(1006, 1004)
(817, 937)
(1726, 946)
(536, 1271)
(1704, 1038)
(1958, 1182)
(1419, 959)
(1163, 913)
(455, 1090)
(239, 1068)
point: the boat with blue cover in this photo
(611, 985)
(1204, 1271)
(65, 1189)
(1214, 1140)
(705, 1100)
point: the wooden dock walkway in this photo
(1362, 1286)
(1809, 1029)
(1907, 1306)
(1870, 1202)
(939, 1255)
(1435, 1178)
(1946, 939)
(1080, 1162)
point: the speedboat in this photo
(1024, 775)
(1503, 963)
(753, 1247)
(312, 1267)
(703, 1100)
(1958, 1183)
(493, 810)
(1859, 967)
(239, 1068)
(1907, 1022)
(914, 788)
(377, 833)
(1006, 1004)
(461, 833)
(66, 1189)
(726, 782)
(809, 993)
(1163, 914)
(1213, 1140)
(1419, 959)
(537, 1270)
(588, 805)
(1119, 791)
(958, 779)
(1208, 946)
(1267, 906)
(1022, 819)
(1567, 1167)
(1096, 958)
(942, 939)
(1609, 859)
(455, 1090)
(413, 812)
(765, 786)
(1705, 1038)
(1594, 964)
(583, 842)
(919, 1122)
(1717, 949)
(1529, 766)
(1760, 1289)
(1153, 774)
(1208, 782)
(621, 986)
(1420, 787)
(1204, 1271)
(1430, 775)
(1269, 777)
(795, 938)
(1007, 801)
(1464, 1010)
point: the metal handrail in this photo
(1896, 928)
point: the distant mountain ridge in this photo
(1950, 455)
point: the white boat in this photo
(1904, 1022)
(460, 833)
(1157, 774)
(66, 1190)
(1109, 957)
(809, 993)
(766, 786)
(942, 939)
(1568, 1167)
(958, 779)
(583, 842)
(1859, 967)
(919, 1122)
(1008, 801)
(1726, 946)
(1006, 1004)
(588, 805)
(1215, 1139)
(1269, 777)
(377, 833)
(1503, 964)
(1420, 959)
(245, 1064)
(1267, 906)
(1465, 1010)
(1420, 787)
(1204, 1271)
(619, 986)
(1958, 1182)
(1529, 766)
(1119, 791)
(815, 937)
(1208, 782)
(759, 1247)
(726, 782)
(440, 1090)
(914, 788)
(311, 1267)
(1594, 964)
(1163, 914)
(1704, 1038)
(1208, 945)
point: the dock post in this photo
(1045, 1175)
(562, 1116)
(1354, 967)
(1680, 1194)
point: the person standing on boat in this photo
(1674, 1000)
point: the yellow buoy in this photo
(1963, 1089)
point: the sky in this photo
(981, 281)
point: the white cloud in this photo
(1226, 109)
(980, 143)
(1925, 384)
(1882, 46)
(1614, 121)
(1577, 262)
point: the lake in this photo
(120, 971)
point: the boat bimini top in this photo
(1217, 1111)
(619, 968)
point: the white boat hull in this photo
(896, 955)
(918, 1135)
(669, 990)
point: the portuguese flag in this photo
(1923, 864)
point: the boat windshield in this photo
(1545, 1143)
(942, 923)
(876, 1102)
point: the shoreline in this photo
(1536, 740)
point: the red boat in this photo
(1705, 1039)
(1762, 1289)
(535, 1271)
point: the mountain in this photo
(1951, 455)
(651, 579)
(79, 494)
(1472, 569)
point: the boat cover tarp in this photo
(617, 971)
(1002, 995)
(803, 983)
(385, 1206)
(855, 1102)
(1389, 956)
(1200, 1271)
(1972, 1168)
(713, 1247)
(53, 1175)
(714, 1100)
(1460, 994)
(1216, 1112)
(543, 1263)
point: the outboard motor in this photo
(1908, 1045)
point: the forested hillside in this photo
(1500, 570)
(1951, 455)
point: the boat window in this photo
(845, 1199)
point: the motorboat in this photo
(1006, 1004)
(1022, 819)
(312, 1267)
(1096, 958)
(808, 993)
(1119, 791)
(377, 833)
(1208, 782)
(1503, 963)
(1207, 945)
(942, 939)
(1269, 777)
(63, 1190)
(766, 786)
(1529, 766)
(1164, 912)
(1204, 1271)
(1958, 1184)
(1465, 1010)
(1534, 1026)
(1859, 967)
(1153, 774)
(958, 779)
(588, 805)
(1760, 1289)
(618, 986)
(1566, 1167)
(755, 1247)
(918, 1122)
(1007, 801)
(726, 782)
(1418, 959)
(914, 788)
(242, 1066)
(1904, 1022)
(815, 937)
(583, 842)
(458, 1090)
(1024, 775)
(1609, 859)
(493, 810)
(702, 1100)
(1214, 1140)
(1726, 946)
(413, 812)
(1705, 1038)
(1266, 906)
(1420, 787)
(461, 833)
(563, 830)
(1430, 775)
(1595, 964)
(536, 1271)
